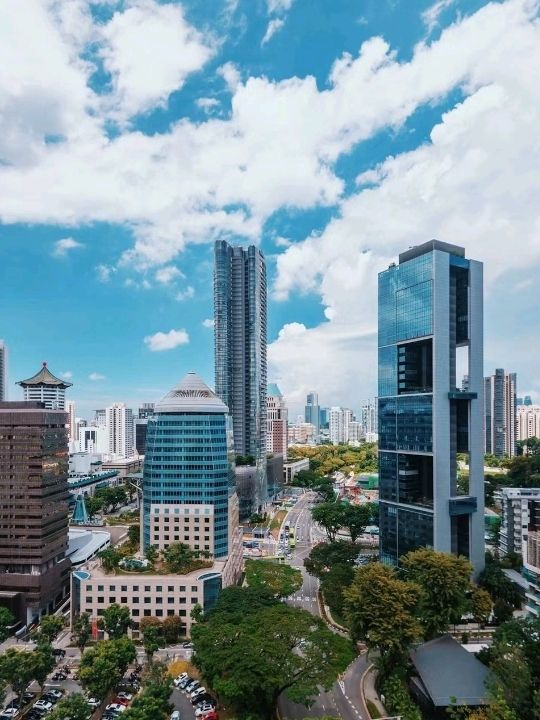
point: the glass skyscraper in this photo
(431, 330)
(240, 338)
(188, 482)
(312, 411)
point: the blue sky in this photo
(332, 133)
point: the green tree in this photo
(281, 580)
(380, 609)
(330, 516)
(481, 605)
(6, 620)
(152, 632)
(173, 628)
(295, 654)
(178, 557)
(325, 555)
(103, 665)
(116, 620)
(355, 519)
(493, 579)
(151, 553)
(112, 496)
(93, 504)
(444, 581)
(134, 534)
(82, 631)
(50, 626)
(502, 611)
(109, 558)
(20, 667)
(236, 603)
(74, 707)
(333, 584)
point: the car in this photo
(49, 698)
(93, 702)
(178, 680)
(58, 652)
(110, 716)
(59, 676)
(55, 692)
(115, 708)
(175, 715)
(125, 696)
(194, 694)
(206, 698)
(11, 712)
(203, 709)
(33, 715)
(185, 681)
(42, 706)
(187, 644)
(193, 685)
(27, 696)
(212, 715)
(120, 701)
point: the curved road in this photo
(344, 700)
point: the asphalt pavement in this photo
(344, 700)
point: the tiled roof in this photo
(45, 377)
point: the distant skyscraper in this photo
(240, 338)
(100, 417)
(45, 387)
(34, 570)
(500, 413)
(429, 306)
(276, 423)
(528, 422)
(339, 420)
(527, 400)
(323, 417)
(120, 430)
(312, 411)
(369, 418)
(146, 411)
(3, 371)
(188, 486)
(73, 435)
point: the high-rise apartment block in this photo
(240, 337)
(430, 320)
(146, 410)
(46, 388)
(312, 411)
(119, 423)
(500, 413)
(369, 421)
(516, 506)
(339, 420)
(34, 571)
(531, 560)
(276, 422)
(73, 429)
(528, 422)
(3, 371)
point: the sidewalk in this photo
(370, 693)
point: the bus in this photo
(292, 538)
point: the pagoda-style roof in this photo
(191, 395)
(44, 377)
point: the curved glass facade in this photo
(189, 461)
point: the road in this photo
(344, 700)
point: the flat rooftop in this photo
(429, 246)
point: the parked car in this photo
(178, 680)
(93, 702)
(194, 694)
(125, 696)
(59, 676)
(58, 652)
(206, 698)
(55, 692)
(11, 712)
(33, 715)
(203, 709)
(193, 685)
(49, 698)
(175, 715)
(27, 696)
(187, 644)
(43, 705)
(212, 715)
(120, 701)
(115, 708)
(184, 683)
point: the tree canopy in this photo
(82, 631)
(325, 555)
(280, 580)
(50, 627)
(6, 620)
(103, 665)
(74, 707)
(335, 516)
(274, 648)
(116, 620)
(20, 667)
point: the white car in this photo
(11, 712)
(93, 702)
(198, 691)
(180, 678)
(43, 705)
(203, 709)
(115, 708)
(175, 715)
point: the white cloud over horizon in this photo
(96, 377)
(166, 340)
(63, 246)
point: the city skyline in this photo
(128, 282)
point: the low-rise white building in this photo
(293, 467)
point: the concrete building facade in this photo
(276, 422)
(515, 518)
(430, 317)
(34, 570)
(528, 422)
(3, 371)
(500, 413)
(119, 423)
(46, 388)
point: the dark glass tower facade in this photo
(188, 482)
(34, 570)
(240, 337)
(312, 412)
(430, 323)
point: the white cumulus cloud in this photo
(208, 323)
(166, 341)
(63, 246)
(95, 377)
(273, 27)
(167, 274)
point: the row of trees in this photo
(326, 459)
(251, 648)
(108, 499)
(336, 516)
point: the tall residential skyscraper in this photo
(45, 387)
(430, 322)
(188, 485)
(528, 422)
(339, 421)
(34, 571)
(146, 410)
(73, 434)
(276, 422)
(312, 413)
(3, 371)
(240, 338)
(119, 421)
(500, 413)
(369, 420)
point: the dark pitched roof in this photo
(450, 673)
(44, 377)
